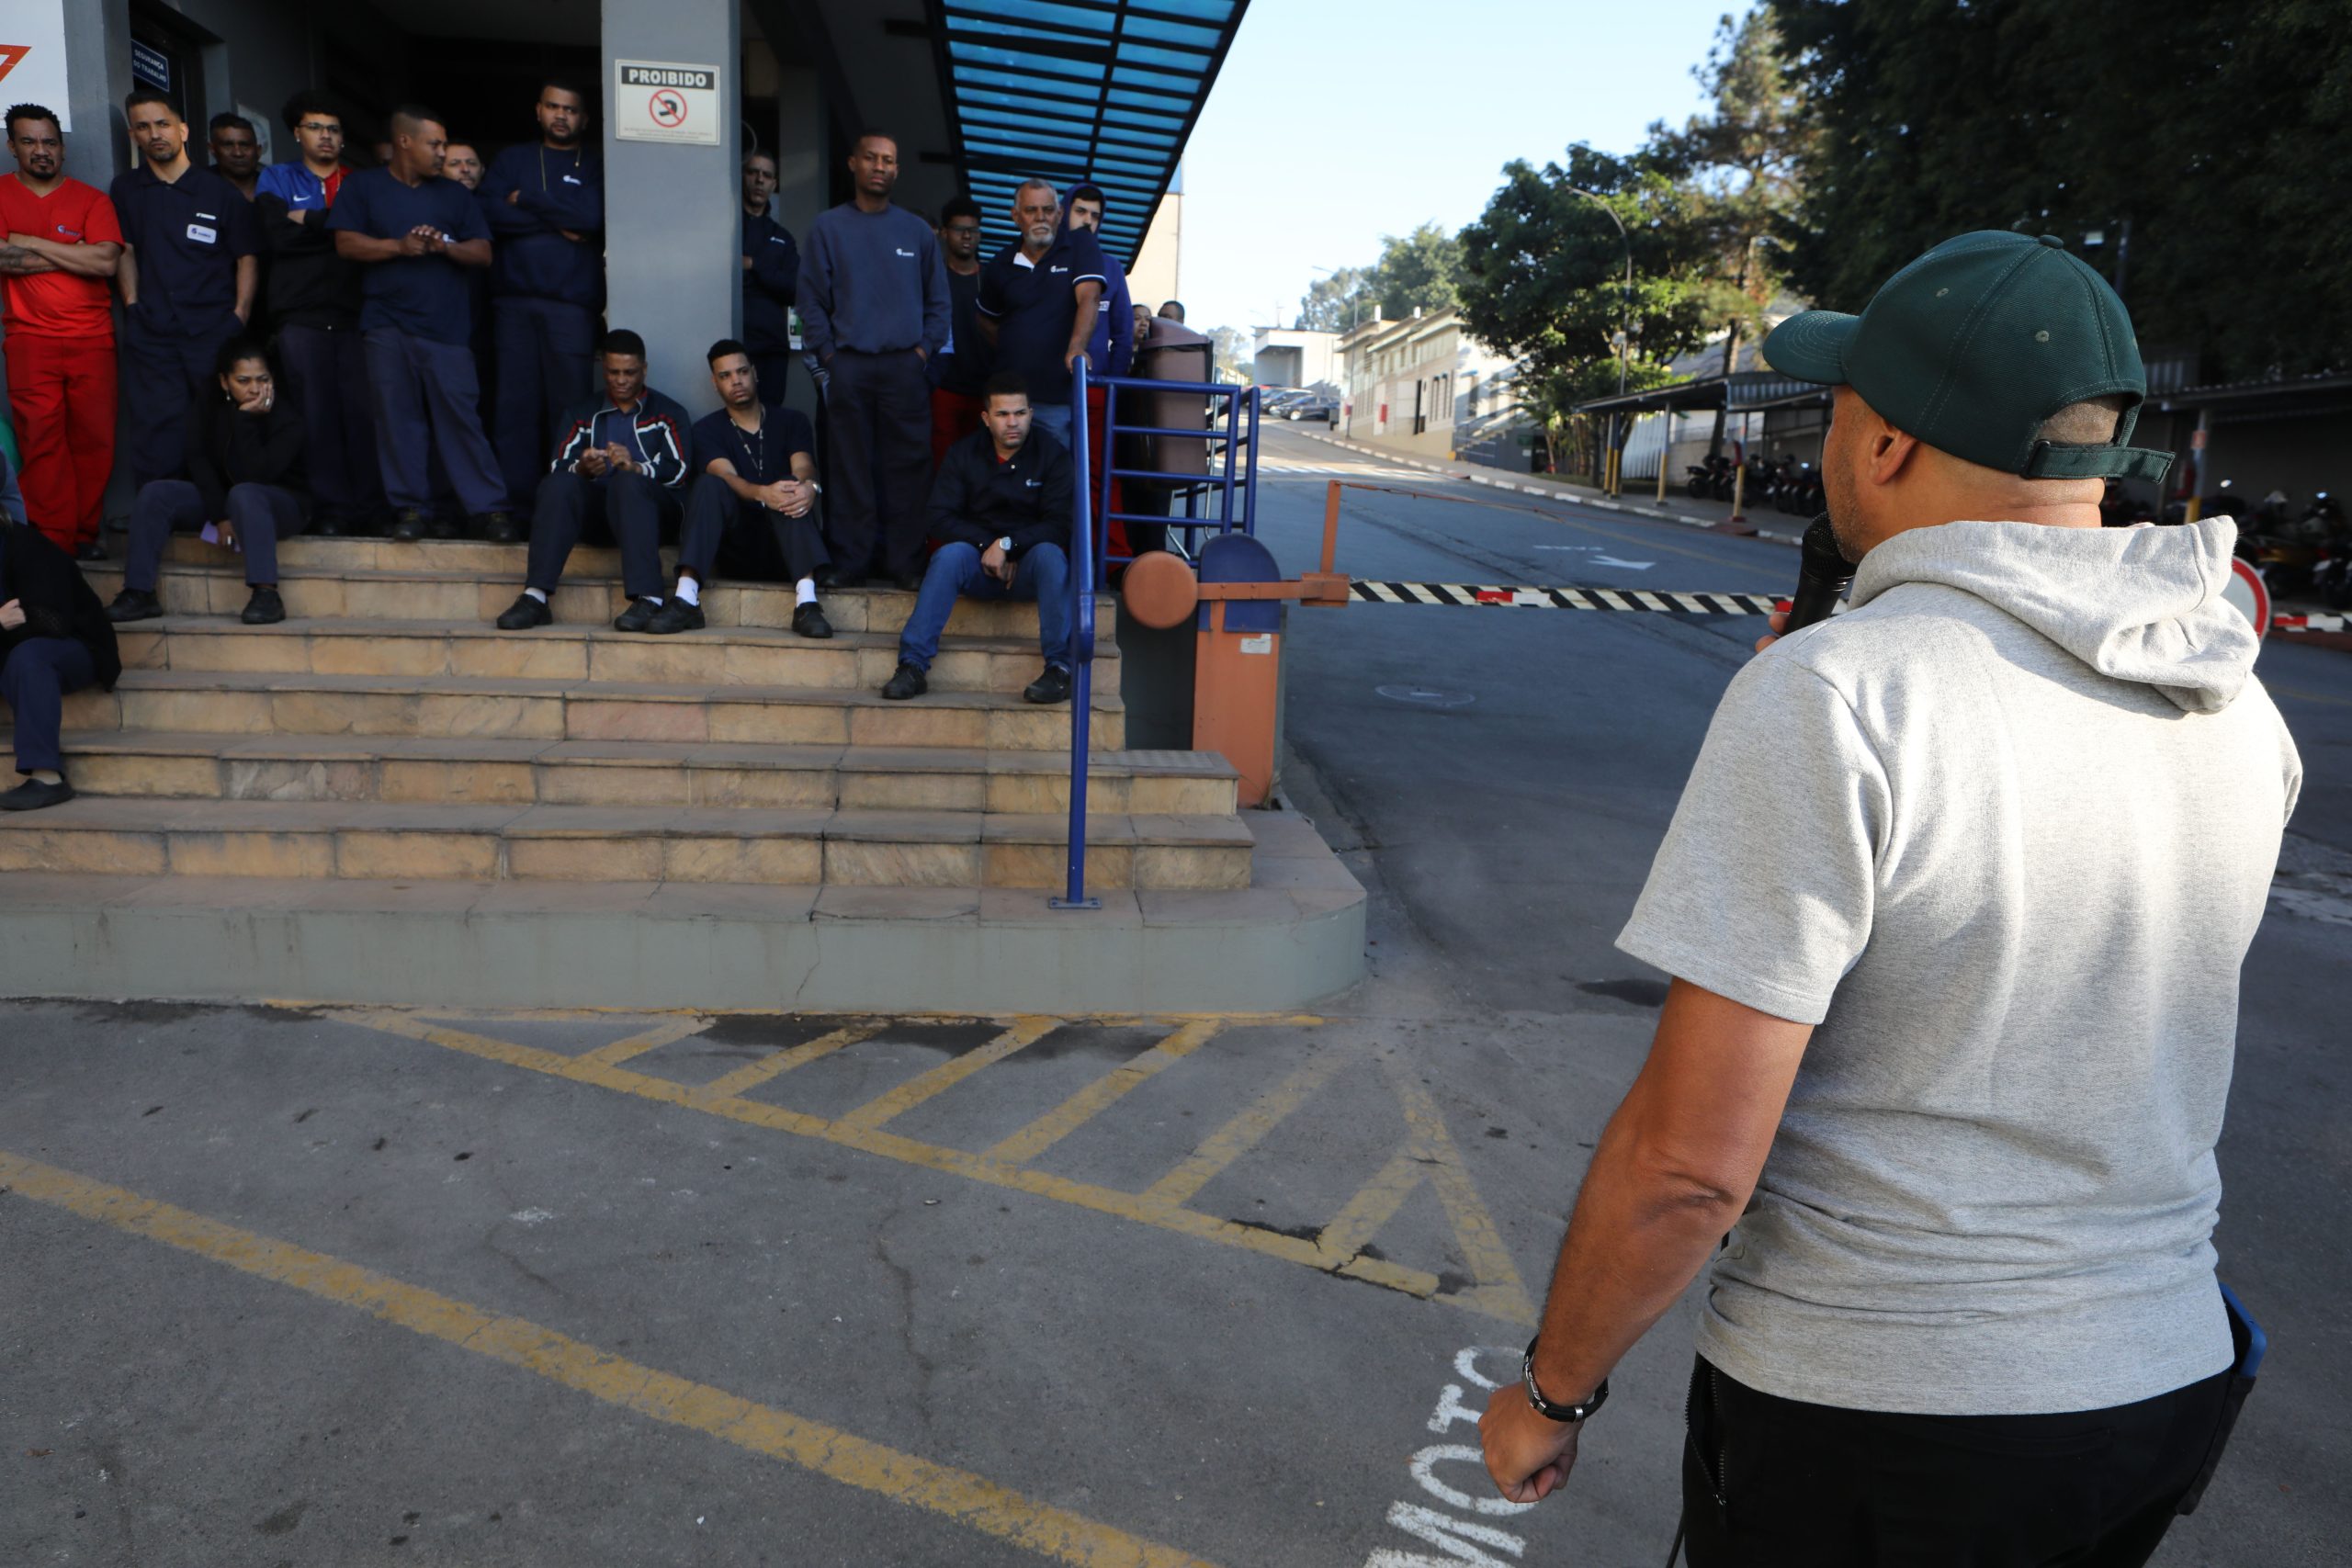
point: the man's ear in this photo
(1891, 451)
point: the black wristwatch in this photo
(1564, 1414)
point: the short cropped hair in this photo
(761, 153)
(1088, 193)
(2089, 422)
(1035, 183)
(958, 207)
(724, 347)
(225, 121)
(872, 133)
(563, 84)
(620, 340)
(1004, 384)
(237, 348)
(1173, 310)
(138, 95)
(416, 114)
(33, 111)
(305, 103)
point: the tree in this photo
(1543, 276)
(1417, 272)
(2220, 132)
(1340, 300)
(1232, 351)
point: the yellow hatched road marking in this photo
(1074, 1112)
(1241, 1134)
(1373, 1207)
(969, 1499)
(949, 1074)
(668, 1032)
(753, 1074)
(1500, 1289)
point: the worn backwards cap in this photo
(1975, 345)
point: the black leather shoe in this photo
(525, 613)
(91, 549)
(906, 681)
(638, 616)
(675, 615)
(809, 620)
(498, 528)
(131, 605)
(1053, 686)
(908, 583)
(444, 528)
(32, 795)
(408, 526)
(265, 608)
(829, 578)
(326, 528)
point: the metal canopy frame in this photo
(1072, 91)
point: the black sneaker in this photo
(134, 604)
(32, 795)
(675, 615)
(638, 616)
(498, 528)
(408, 526)
(809, 620)
(91, 549)
(906, 681)
(525, 613)
(265, 608)
(1053, 686)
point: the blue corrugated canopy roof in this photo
(1074, 90)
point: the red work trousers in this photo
(61, 399)
(954, 415)
(1098, 428)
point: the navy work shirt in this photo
(185, 237)
(964, 366)
(769, 286)
(1036, 305)
(760, 459)
(426, 297)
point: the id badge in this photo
(202, 234)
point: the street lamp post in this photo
(1625, 328)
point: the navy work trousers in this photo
(1042, 574)
(35, 675)
(326, 371)
(262, 514)
(546, 353)
(427, 400)
(629, 507)
(878, 422)
(162, 375)
(724, 533)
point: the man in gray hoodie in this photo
(1954, 904)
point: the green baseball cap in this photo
(1973, 346)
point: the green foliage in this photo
(1416, 271)
(2223, 133)
(1339, 301)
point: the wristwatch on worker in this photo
(1564, 1414)
(1005, 543)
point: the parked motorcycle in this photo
(1711, 480)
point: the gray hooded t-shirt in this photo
(2002, 832)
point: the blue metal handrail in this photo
(1091, 558)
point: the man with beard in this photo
(771, 277)
(462, 161)
(62, 244)
(874, 311)
(545, 201)
(1037, 303)
(236, 151)
(189, 280)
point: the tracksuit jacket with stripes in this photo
(662, 435)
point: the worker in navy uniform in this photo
(960, 370)
(1000, 514)
(246, 476)
(770, 278)
(1038, 302)
(545, 201)
(189, 280)
(415, 233)
(753, 509)
(54, 639)
(619, 468)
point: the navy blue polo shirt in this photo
(185, 237)
(426, 297)
(759, 459)
(1035, 306)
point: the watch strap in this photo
(1564, 1414)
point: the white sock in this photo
(535, 593)
(654, 600)
(804, 592)
(47, 777)
(689, 590)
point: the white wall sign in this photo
(32, 57)
(655, 100)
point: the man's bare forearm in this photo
(82, 260)
(21, 260)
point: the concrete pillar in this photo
(803, 179)
(98, 66)
(673, 232)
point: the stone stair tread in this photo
(422, 572)
(585, 631)
(1106, 699)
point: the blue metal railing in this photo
(1235, 492)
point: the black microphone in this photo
(1823, 574)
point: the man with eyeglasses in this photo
(314, 313)
(961, 371)
(770, 278)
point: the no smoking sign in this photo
(666, 101)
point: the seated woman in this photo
(53, 640)
(244, 476)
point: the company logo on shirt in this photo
(200, 234)
(1032, 484)
(1058, 269)
(572, 179)
(909, 254)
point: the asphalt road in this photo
(289, 1286)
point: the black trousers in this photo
(1771, 1482)
(878, 411)
(728, 535)
(631, 508)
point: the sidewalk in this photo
(1762, 522)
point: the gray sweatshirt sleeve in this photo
(816, 300)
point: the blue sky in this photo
(1337, 122)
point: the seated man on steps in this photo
(54, 639)
(245, 479)
(752, 511)
(620, 465)
(1000, 515)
